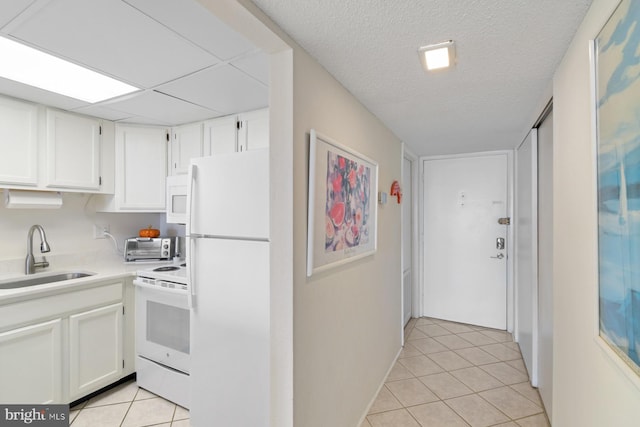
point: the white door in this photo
(465, 271)
(407, 239)
(526, 253)
(545, 262)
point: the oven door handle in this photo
(141, 284)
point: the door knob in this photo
(499, 256)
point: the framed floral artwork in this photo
(343, 188)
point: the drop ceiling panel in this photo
(103, 112)
(11, 9)
(256, 65)
(197, 24)
(39, 96)
(161, 108)
(113, 37)
(222, 88)
(139, 120)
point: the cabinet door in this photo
(220, 135)
(141, 168)
(253, 132)
(31, 364)
(185, 144)
(18, 142)
(95, 349)
(73, 151)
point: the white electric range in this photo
(162, 332)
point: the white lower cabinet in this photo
(31, 363)
(95, 349)
(64, 346)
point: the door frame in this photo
(510, 229)
(416, 295)
(532, 136)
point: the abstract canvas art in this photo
(342, 204)
(617, 105)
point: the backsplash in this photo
(70, 229)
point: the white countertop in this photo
(105, 267)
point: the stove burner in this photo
(169, 268)
(184, 264)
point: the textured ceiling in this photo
(507, 52)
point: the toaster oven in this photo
(143, 248)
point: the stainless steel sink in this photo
(42, 279)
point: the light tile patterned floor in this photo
(447, 375)
(127, 405)
(451, 375)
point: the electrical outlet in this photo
(99, 230)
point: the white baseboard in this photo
(373, 399)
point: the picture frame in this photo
(616, 130)
(343, 208)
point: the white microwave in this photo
(177, 199)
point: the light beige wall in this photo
(589, 389)
(346, 320)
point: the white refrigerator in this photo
(228, 259)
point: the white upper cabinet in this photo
(141, 171)
(72, 151)
(186, 143)
(253, 130)
(242, 132)
(141, 159)
(18, 142)
(220, 135)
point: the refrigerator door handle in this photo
(191, 278)
(191, 178)
(191, 244)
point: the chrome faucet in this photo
(30, 264)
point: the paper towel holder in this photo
(29, 199)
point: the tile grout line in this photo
(129, 407)
(414, 324)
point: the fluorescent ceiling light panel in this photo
(30, 66)
(437, 56)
